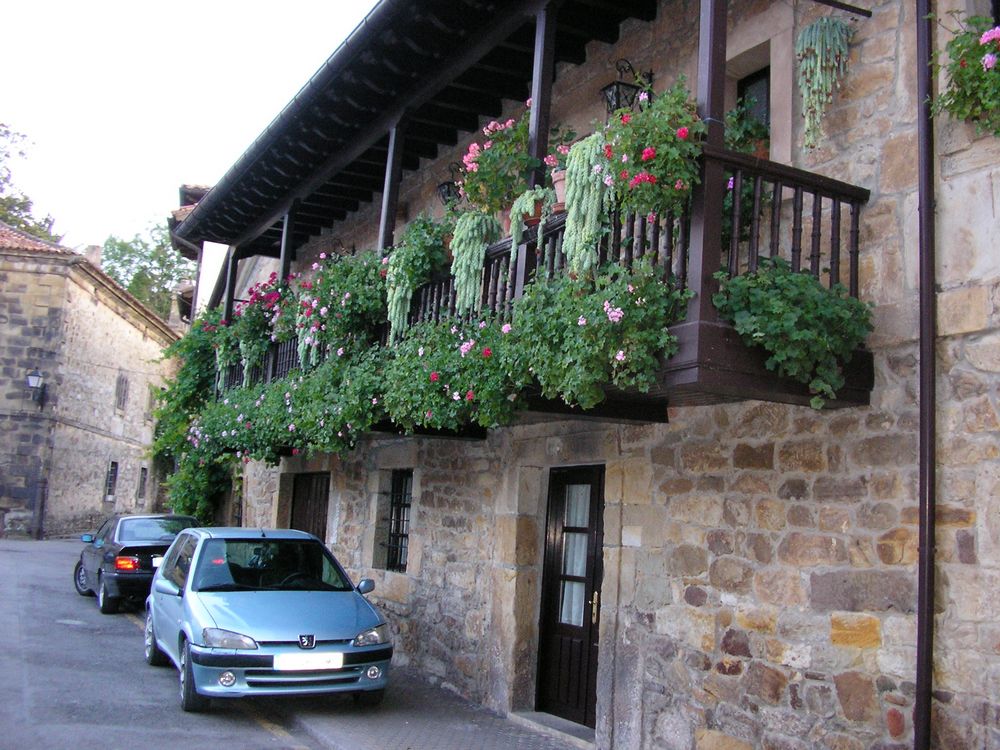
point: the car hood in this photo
(285, 615)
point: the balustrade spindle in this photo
(817, 233)
(853, 252)
(835, 243)
(654, 241)
(734, 223)
(797, 229)
(775, 218)
(754, 250)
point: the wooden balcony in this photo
(774, 211)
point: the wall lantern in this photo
(448, 190)
(36, 383)
(622, 93)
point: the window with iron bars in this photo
(398, 542)
(111, 482)
(121, 392)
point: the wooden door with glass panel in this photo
(568, 638)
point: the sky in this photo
(123, 102)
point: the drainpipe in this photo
(928, 402)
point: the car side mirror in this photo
(366, 586)
(87, 538)
(163, 586)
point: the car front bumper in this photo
(254, 672)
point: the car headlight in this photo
(372, 637)
(218, 638)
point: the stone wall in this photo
(31, 317)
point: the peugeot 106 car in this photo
(243, 612)
(117, 562)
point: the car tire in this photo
(154, 655)
(191, 700)
(80, 580)
(369, 698)
(105, 602)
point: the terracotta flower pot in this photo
(532, 219)
(559, 185)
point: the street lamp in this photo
(36, 383)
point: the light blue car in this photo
(263, 612)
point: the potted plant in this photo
(973, 91)
(822, 52)
(497, 170)
(651, 156)
(531, 208)
(807, 329)
(588, 190)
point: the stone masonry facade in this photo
(759, 577)
(100, 352)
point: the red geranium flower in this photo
(607, 151)
(469, 396)
(487, 352)
(626, 118)
(682, 133)
(434, 377)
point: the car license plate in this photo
(298, 662)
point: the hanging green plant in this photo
(474, 231)
(587, 202)
(822, 52)
(807, 329)
(418, 254)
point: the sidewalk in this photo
(419, 716)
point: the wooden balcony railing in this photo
(773, 211)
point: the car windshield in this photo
(152, 529)
(267, 565)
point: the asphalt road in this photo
(71, 677)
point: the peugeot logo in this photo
(307, 641)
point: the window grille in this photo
(121, 392)
(399, 520)
(111, 483)
(141, 491)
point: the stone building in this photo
(77, 449)
(759, 580)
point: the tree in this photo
(148, 267)
(15, 206)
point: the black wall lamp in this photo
(622, 93)
(36, 383)
(448, 190)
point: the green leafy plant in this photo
(822, 52)
(342, 306)
(973, 91)
(496, 171)
(419, 253)
(652, 155)
(451, 373)
(252, 319)
(474, 231)
(196, 483)
(807, 329)
(576, 334)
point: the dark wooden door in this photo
(567, 658)
(310, 499)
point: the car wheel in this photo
(370, 698)
(106, 603)
(80, 580)
(190, 698)
(154, 656)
